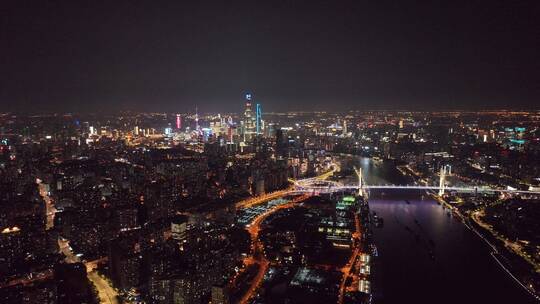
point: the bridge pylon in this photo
(442, 180)
(360, 181)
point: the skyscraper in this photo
(258, 119)
(197, 127)
(178, 122)
(249, 120)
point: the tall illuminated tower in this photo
(178, 122)
(258, 118)
(249, 126)
(197, 119)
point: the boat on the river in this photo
(379, 222)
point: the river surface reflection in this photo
(427, 255)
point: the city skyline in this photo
(261, 207)
(269, 152)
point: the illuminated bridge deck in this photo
(308, 187)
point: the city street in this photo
(107, 294)
(49, 205)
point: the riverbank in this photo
(513, 263)
(504, 256)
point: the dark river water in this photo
(427, 255)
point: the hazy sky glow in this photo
(294, 55)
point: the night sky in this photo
(293, 55)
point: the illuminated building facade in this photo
(258, 119)
(178, 122)
(249, 120)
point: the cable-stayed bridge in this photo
(337, 188)
(316, 185)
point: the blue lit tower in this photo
(258, 118)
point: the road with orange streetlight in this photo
(349, 269)
(253, 201)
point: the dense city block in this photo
(224, 208)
